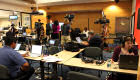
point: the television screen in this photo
(14, 17)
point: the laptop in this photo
(128, 62)
(36, 51)
(17, 47)
(78, 39)
(24, 34)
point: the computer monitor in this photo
(13, 17)
(37, 49)
(52, 42)
(17, 47)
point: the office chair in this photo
(53, 50)
(4, 73)
(93, 52)
(80, 76)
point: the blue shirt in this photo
(11, 59)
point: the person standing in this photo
(38, 28)
(41, 33)
(56, 28)
(49, 29)
(66, 29)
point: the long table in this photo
(77, 62)
(64, 55)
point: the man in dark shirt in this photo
(66, 29)
(93, 40)
(49, 29)
(18, 67)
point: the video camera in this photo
(69, 17)
(102, 21)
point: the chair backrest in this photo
(93, 52)
(80, 76)
(4, 74)
(57, 42)
(53, 50)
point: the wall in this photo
(81, 20)
(4, 22)
(111, 10)
(137, 33)
(133, 6)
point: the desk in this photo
(66, 55)
(77, 62)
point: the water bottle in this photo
(109, 63)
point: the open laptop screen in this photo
(78, 39)
(17, 47)
(37, 49)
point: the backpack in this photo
(71, 46)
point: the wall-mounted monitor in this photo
(13, 17)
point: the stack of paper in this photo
(52, 59)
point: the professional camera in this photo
(69, 17)
(103, 20)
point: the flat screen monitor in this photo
(13, 17)
(52, 42)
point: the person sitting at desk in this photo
(18, 67)
(126, 49)
(85, 31)
(93, 40)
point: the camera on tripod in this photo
(69, 17)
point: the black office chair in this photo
(53, 50)
(80, 76)
(93, 52)
(4, 74)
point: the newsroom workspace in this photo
(69, 40)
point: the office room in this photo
(69, 39)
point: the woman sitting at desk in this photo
(125, 49)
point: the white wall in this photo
(8, 6)
(133, 6)
(4, 22)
